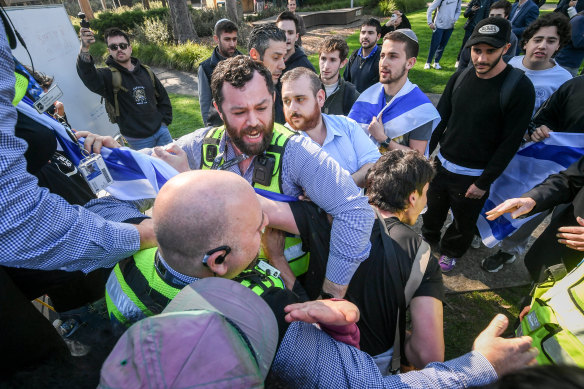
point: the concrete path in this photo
(176, 81)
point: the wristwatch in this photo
(326, 295)
(385, 143)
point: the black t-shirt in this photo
(372, 288)
(378, 284)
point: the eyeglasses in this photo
(114, 46)
(220, 258)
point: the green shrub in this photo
(153, 31)
(387, 6)
(185, 57)
(125, 20)
(205, 19)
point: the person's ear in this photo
(218, 110)
(413, 198)
(344, 62)
(216, 39)
(320, 97)
(410, 63)
(216, 263)
(254, 54)
(379, 36)
(507, 46)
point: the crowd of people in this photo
(281, 249)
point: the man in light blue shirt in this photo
(342, 138)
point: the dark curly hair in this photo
(560, 21)
(237, 71)
(395, 176)
(334, 43)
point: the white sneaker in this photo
(476, 242)
(427, 66)
(437, 66)
(456, 64)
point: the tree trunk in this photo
(183, 29)
(103, 5)
(146, 4)
(164, 3)
(234, 10)
(86, 9)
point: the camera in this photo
(84, 23)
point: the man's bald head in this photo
(198, 211)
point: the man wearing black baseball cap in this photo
(486, 109)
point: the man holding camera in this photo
(137, 100)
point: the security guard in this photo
(556, 318)
(154, 284)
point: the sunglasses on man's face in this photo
(114, 46)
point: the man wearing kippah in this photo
(485, 111)
(394, 112)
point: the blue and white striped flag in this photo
(408, 109)
(136, 175)
(530, 166)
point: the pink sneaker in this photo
(446, 263)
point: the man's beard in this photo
(393, 78)
(369, 45)
(308, 123)
(255, 148)
(490, 65)
(225, 52)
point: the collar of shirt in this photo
(226, 145)
(332, 130)
(360, 52)
(175, 278)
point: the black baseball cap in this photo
(495, 32)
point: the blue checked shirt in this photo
(310, 358)
(39, 230)
(306, 165)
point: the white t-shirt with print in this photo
(545, 82)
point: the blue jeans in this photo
(440, 38)
(160, 138)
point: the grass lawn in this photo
(430, 81)
(186, 115)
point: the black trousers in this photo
(547, 251)
(27, 337)
(446, 192)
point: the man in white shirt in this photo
(541, 40)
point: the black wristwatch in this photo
(385, 143)
(326, 295)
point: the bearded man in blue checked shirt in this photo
(243, 94)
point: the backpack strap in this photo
(415, 279)
(152, 78)
(116, 87)
(508, 87)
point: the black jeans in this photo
(446, 192)
(547, 251)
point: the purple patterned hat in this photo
(214, 333)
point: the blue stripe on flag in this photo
(562, 155)
(404, 104)
(275, 196)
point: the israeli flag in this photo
(408, 109)
(532, 164)
(136, 175)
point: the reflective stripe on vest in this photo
(148, 291)
(149, 294)
(555, 321)
(297, 259)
